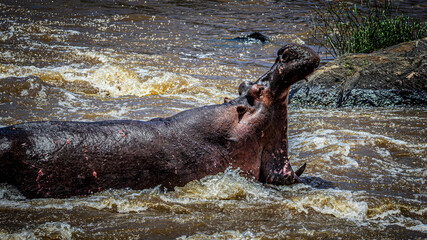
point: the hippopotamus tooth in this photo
(61, 159)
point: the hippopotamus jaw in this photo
(267, 99)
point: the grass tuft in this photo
(342, 27)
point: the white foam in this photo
(22, 235)
(385, 214)
(338, 203)
(228, 234)
(83, 52)
(327, 142)
(228, 185)
(421, 227)
(115, 81)
(48, 230)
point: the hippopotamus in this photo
(67, 158)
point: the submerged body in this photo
(62, 159)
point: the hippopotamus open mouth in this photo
(269, 96)
(61, 159)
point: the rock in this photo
(253, 37)
(395, 76)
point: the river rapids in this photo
(87, 60)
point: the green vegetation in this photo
(342, 27)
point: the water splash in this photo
(116, 81)
(49, 230)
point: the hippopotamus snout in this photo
(293, 63)
(298, 62)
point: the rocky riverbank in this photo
(395, 76)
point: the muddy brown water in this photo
(98, 60)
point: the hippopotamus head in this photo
(262, 110)
(293, 63)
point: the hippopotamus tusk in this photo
(300, 170)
